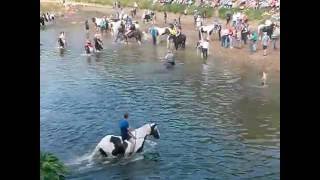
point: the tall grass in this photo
(252, 14)
(148, 4)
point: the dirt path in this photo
(269, 63)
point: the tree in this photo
(51, 168)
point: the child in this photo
(265, 43)
(263, 79)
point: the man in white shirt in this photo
(205, 48)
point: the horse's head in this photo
(154, 130)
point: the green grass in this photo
(252, 14)
(147, 4)
(50, 7)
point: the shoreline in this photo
(269, 63)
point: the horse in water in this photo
(180, 41)
(114, 26)
(134, 34)
(112, 146)
(161, 32)
(214, 28)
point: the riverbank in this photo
(269, 63)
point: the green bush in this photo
(51, 168)
(252, 14)
(148, 4)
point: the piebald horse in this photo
(112, 146)
(162, 32)
(115, 27)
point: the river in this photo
(214, 119)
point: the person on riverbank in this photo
(199, 22)
(165, 17)
(244, 34)
(126, 131)
(253, 41)
(154, 34)
(275, 36)
(265, 42)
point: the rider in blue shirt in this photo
(124, 127)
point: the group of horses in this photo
(46, 18)
(123, 31)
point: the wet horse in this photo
(180, 41)
(113, 146)
(137, 34)
(214, 28)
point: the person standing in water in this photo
(264, 79)
(205, 48)
(86, 24)
(97, 42)
(62, 40)
(170, 59)
(154, 34)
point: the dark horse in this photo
(42, 21)
(134, 34)
(179, 41)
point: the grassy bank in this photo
(50, 6)
(147, 4)
(253, 14)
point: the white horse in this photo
(115, 27)
(112, 146)
(213, 28)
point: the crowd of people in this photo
(234, 33)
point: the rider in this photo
(131, 29)
(125, 130)
(173, 33)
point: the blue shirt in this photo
(124, 125)
(153, 31)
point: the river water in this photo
(214, 119)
